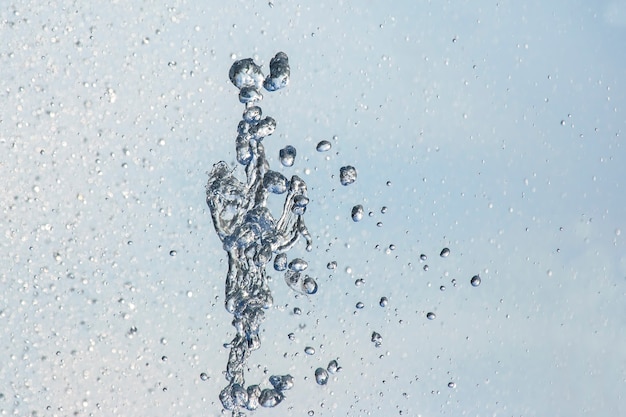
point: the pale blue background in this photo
(498, 125)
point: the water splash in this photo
(251, 235)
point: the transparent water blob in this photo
(347, 175)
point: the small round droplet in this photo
(347, 175)
(280, 262)
(423, 257)
(383, 301)
(475, 281)
(323, 146)
(357, 213)
(451, 384)
(287, 155)
(431, 316)
(321, 376)
(297, 311)
(309, 350)
(331, 265)
(173, 253)
(444, 252)
(204, 376)
(360, 305)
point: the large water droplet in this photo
(321, 376)
(270, 398)
(333, 366)
(347, 175)
(280, 262)
(287, 155)
(309, 350)
(282, 382)
(245, 73)
(279, 73)
(298, 265)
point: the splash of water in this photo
(251, 235)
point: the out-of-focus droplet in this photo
(204, 376)
(357, 213)
(173, 253)
(331, 265)
(333, 366)
(297, 311)
(323, 146)
(347, 175)
(444, 252)
(431, 316)
(360, 305)
(451, 384)
(321, 376)
(383, 301)
(475, 281)
(309, 350)
(423, 257)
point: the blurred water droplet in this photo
(287, 155)
(423, 257)
(347, 175)
(451, 384)
(298, 265)
(331, 265)
(204, 376)
(309, 350)
(297, 311)
(383, 302)
(360, 305)
(357, 213)
(475, 281)
(444, 252)
(321, 376)
(323, 146)
(431, 316)
(333, 366)
(173, 253)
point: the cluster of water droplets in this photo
(251, 235)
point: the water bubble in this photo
(333, 366)
(359, 282)
(291, 336)
(204, 376)
(431, 316)
(279, 73)
(475, 281)
(297, 311)
(323, 146)
(275, 182)
(173, 253)
(298, 265)
(287, 155)
(331, 265)
(249, 95)
(383, 302)
(357, 213)
(347, 175)
(321, 376)
(252, 114)
(309, 350)
(423, 257)
(280, 262)
(451, 384)
(377, 339)
(282, 382)
(309, 286)
(444, 252)
(360, 305)
(263, 129)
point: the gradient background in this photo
(492, 128)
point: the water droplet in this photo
(275, 182)
(245, 73)
(297, 311)
(270, 398)
(347, 175)
(252, 114)
(423, 257)
(425, 268)
(357, 213)
(291, 336)
(204, 376)
(282, 382)
(323, 146)
(359, 282)
(279, 73)
(431, 316)
(377, 339)
(451, 384)
(383, 301)
(309, 285)
(309, 350)
(331, 265)
(333, 366)
(475, 281)
(287, 155)
(444, 252)
(298, 265)
(280, 262)
(173, 253)
(321, 376)
(360, 305)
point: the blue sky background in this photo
(491, 128)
